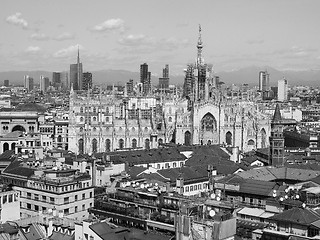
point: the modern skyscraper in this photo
(264, 84)
(87, 81)
(6, 83)
(44, 83)
(28, 83)
(282, 90)
(145, 78)
(76, 74)
(263, 81)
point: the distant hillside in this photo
(248, 75)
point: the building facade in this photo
(282, 90)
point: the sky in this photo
(122, 34)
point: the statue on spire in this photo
(199, 46)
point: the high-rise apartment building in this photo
(76, 74)
(129, 87)
(282, 90)
(28, 83)
(87, 81)
(44, 83)
(165, 71)
(56, 80)
(164, 81)
(145, 78)
(6, 83)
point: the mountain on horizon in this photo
(249, 75)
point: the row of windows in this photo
(94, 109)
(66, 211)
(192, 188)
(133, 129)
(66, 200)
(167, 165)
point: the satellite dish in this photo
(147, 185)
(286, 196)
(281, 199)
(209, 208)
(303, 205)
(297, 196)
(142, 185)
(218, 198)
(156, 184)
(287, 190)
(213, 196)
(274, 194)
(212, 213)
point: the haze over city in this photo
(45, 35)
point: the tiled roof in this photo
(145, 157)
(263, 188)
(7, 156)
(33, 107)
(106, 232)
(15, 168)
(300, 216)
(273, 174)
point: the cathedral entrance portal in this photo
(208, 130)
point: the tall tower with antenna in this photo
(76, 73)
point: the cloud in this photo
(32, 49)
(296, 52)
(109, 25)
(39, 36)
(182, 24)
(251, 42)
(66, 52)
(16, 19)
(64, 36)
(140, 43)
(136, 40)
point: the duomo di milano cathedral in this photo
(203, 115)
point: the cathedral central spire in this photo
(199, 46)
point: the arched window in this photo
(147, 144)
(81, 110)
(81, 129)
(134, 143)
(170, 119)
(94, 119)
(59, 139)
(250, 142)
(108, 145)
(13, 145)
(81, 119)
(229, 138)
(81, 146)
(5, 147)
(94, 145)
(94, 129)
(208, 123)
(187, 138)
(94, 110)
(160, 141)
(146, 129)
(121, 144)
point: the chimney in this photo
(235, 154)
(50, 228)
